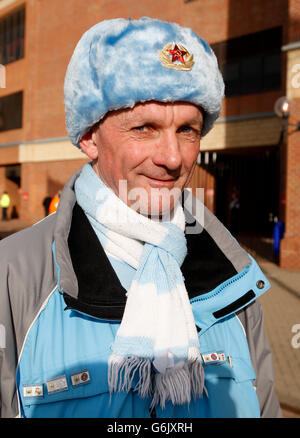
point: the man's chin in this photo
(161, 210)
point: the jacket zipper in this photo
(223, 286)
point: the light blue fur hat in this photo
(118, 63)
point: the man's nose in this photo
(168, 153)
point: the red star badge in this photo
(177, 54)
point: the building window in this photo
(11, 111)
(251, 63)
(13, 173)
(12, 37)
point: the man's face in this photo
(153, 147)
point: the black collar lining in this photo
(100, 292)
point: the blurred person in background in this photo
(5, 203)
(54, 202)
(234, 212)
(46, 203)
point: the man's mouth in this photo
(163, 182)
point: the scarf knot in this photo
(174, 243)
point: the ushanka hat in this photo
(118, 63)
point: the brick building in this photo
(257, 43)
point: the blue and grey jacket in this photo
(61, 303)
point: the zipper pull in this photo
(230, 360)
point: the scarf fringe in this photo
(177, 384)
(197, 378)
(122, 371)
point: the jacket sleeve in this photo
(253, 321)
(8, 351)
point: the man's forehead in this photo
(156, 109)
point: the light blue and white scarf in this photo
(157, 332)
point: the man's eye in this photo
(140, 128)
(186, 129)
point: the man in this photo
(132, 301)
(5, 203)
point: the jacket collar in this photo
(89, 283)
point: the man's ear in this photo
(88, 144)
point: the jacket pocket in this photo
(81, 392)
(237, 368)
(65, 386)
(230, 389)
